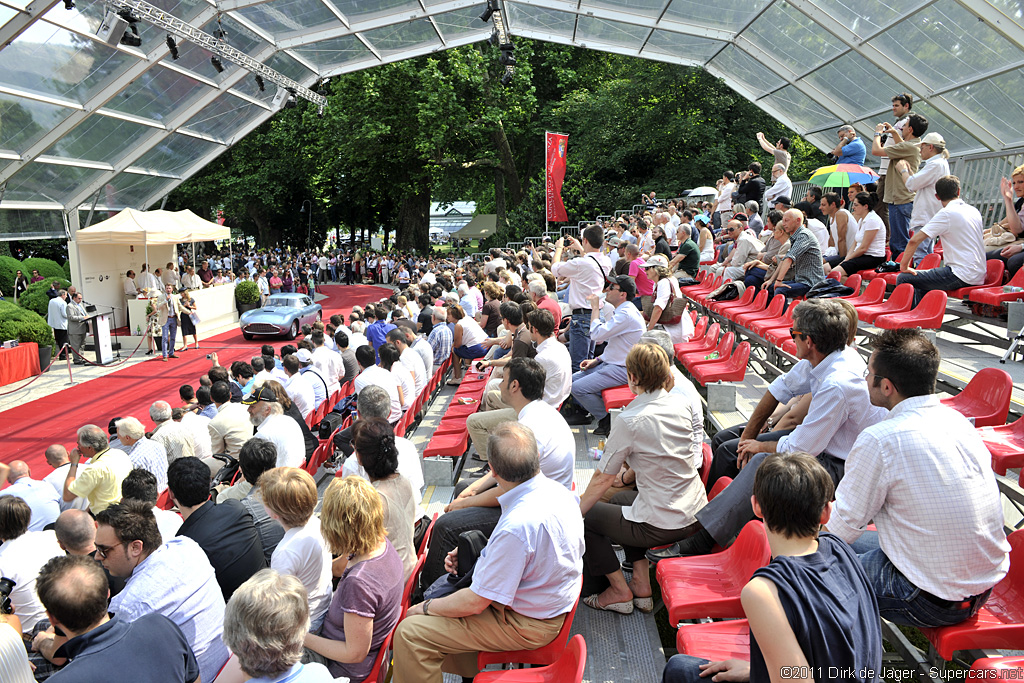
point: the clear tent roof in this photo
(83, 122)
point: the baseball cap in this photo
(654, 261)
(784, 199)
(304, 356)
(262, 394)
(615, 242)
(934, 139)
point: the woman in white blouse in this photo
(870, 250)
(467, 340)
(666, 288)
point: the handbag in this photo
(674, 309)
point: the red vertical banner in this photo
(555, 144)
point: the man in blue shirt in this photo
(850, 149)
(377, 331)
(73, 589)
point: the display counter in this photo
(20, 362)
(214, 305)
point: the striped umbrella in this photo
(843, 175)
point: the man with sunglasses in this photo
(840, 410)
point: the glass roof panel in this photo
(646, 8)
(224, 116)
(730, 15)
(48, 182)
(6, 14)
(693, 48)
(287, 16)
(856, 82)
(461, 22)
(49, 60)
(289, 66)
(735, 63)
(934, 45)
(793, 38)
(99, 138)
(131, 190)
(336, 51)
(391, 40)
(174, 154)
(196, 59)
(239, 37)
(368, 9)
(541, 19)
(611, 32)
(86, 17)
(864, 17)
(805, 112)
(995, 104)
(157, 94)
(25, 121)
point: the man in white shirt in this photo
(274, 426)
(608, 370)
(782, 187)
(298, 386)
(923, 476)
(327, 362)
(723, 205)
(371, 373)
(357, 338)
(317, 381)
(175, 437)
(197, 425)
(748, 246)
(552, 355)
(409, 358)
(587, 275)
(231, 427)
(41, 498)
(57, 458)
(144, 453)
(963, 244)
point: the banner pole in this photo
(547, 203)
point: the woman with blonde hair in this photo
(654, 436)
(188, 328)
(368, 599)
(666, 291)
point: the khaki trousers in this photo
(481, 424)
(427, 645)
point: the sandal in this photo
(620, 607)
(645, 605)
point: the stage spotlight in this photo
(292, 100)
(507, 58)
(131, 37)
(259, 83)
(216, 63)
(492, 7)
(506, 80)
(172, 46)
(69, 4)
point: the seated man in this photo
(100, 482)
(811, 607)
(267, 414)
(476, 505)
(141, 485)
(440, 337)
(256, 457)
(174, 579)
(371, 373)
(924, 477)
(76, 534)
(41, 498)
(840, 410)
(524, 583)
(225, 532)
(73, 589)
(608, 370)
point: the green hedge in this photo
(24, 325)
(35, 298)
(50, 270)
(9, 266)
(247, 292)
(67, 270)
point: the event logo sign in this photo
(555, 145)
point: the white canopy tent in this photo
(152, 227)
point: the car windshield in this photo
(280, 301)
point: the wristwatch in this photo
(426, 604)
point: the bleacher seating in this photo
(1006, 444)
(774, 311)
(757, 304)
(568, 668)
(542, 656)
(986, 398)
(451, 438)
(617, 397)
(995, 296)
(994, 271)
(901, 299)
(732, 368)
(721, 307)
(927, 263)
(872, 274)
(716, 641)
(927, 315)
(705, 343)
(723, 349)
(872, 294)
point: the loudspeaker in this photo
(112, 28)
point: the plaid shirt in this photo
(805, 253)
(440, 340)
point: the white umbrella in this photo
(702, 192)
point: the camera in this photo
(6, 586)
(209, 356)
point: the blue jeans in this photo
(900, 601)
(169, 338)
(927, 280)
(794, 290)
(580, 346)
(588, 384)
(684, 669)
(754, 277)
(899, 226)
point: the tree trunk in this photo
(499, 201)
(508, 165)
(414, 221)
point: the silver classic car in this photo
(281, 314)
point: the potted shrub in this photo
(247, 296)
(26, 326)
(9, 266)
(35, 297)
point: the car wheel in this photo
(293, 332)
(247, 336)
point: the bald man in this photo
(57, 458)
(801, 268)
(42, 499)
(76, 534)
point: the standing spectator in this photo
(780, 151)
(850, 149)
(901, 110)
(926, 204)
(587, 275)
(57, 318)
(900, 142)
(751, 184)
(723, 204)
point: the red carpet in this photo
(30, 428)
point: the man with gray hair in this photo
(524, 583)
(100, 483)
(145, 453)
(754, 221)
(851, 149)
(800, 269)
(538, 291)
(440, 339)
(176, 439)
(57, 457)
(782, 187)
(419, 344)
(267, 414)
(40, 496)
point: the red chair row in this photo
(451, 438)
(898, 310)
(994, 295)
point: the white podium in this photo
(100, 325)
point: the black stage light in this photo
(69, 4)
(172, 46)
(259, 83)
(492, 7)
(507, 58)
(131, 37)
(506, 80)
(216, 63)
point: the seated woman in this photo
(265, 622)
(666, 289)
(368, 599)
(654, 436)
(389, 360)
(870, 237)
(761, 273)
(373, 443)
(1010, 230)
(467, 340)
(290, 497)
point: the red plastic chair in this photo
(927, 315)
(710, 284)
(700, 326)
(568, 668)
(994, 271)
(411, 582)
(853, 282)
(617, 397)
(995, 296)
(761, 327)
(927, 263)
(724, 349)
(733, 369)
(833, 275)
(705, 343)
(164, 502)
(1005, 667)
(986, 398)
(379, 672)
(1006, 444)
(788, 346)
(999, 624)
(756, 306)
(901, 299)
(743, 301)
(774, 311)
(872, 294)
(718, 487)
(716, 641)
(449, 445)
(710, 585)
(542, 656)
(701, 298)
(705, 465)
(425, 543)
(871, 274)
(701, 276)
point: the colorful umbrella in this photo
(843, 175)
